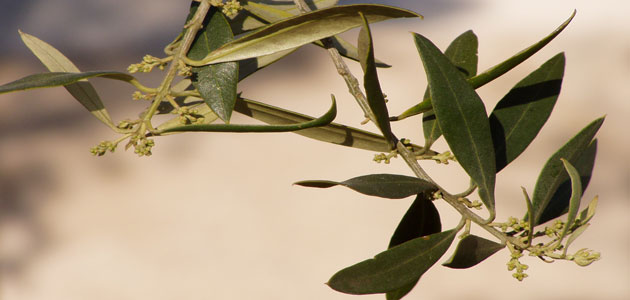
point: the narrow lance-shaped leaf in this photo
(519, 116)
(463, 54)
(52, 79)
(559, 203)
(55, 61)
(301, 30)
(271, 14)
(331, 133)
(472, 250)
(390, 186)
(462, 119)
(585, 217)
(216, 83)
(373, 91)
(394, 268)
(509, 64)
(587, 214)
(576, 196)
(553, 173)
(497, 70)
(321, 121)
(421, 219)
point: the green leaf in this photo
(271, 14)
(509, 64)
(332, 133)
(394, 268)
(52, 79)
(472, 250)
(55, 61)
(216, 83)
(589, 212)
(300, 30)
(321, 121)
(421, 219)
(462, 118)
(576, 196)
(559, 203)
(390, 186)
(519, 116)
(373, 91)
(574, 235)
(553, 174)
(462, 52)
(497, 70)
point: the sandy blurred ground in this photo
(214, 216)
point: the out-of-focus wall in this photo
(214, 216)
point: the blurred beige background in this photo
(214, 216)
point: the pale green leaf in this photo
(321, 121)
(576, 196)
(82, 90)
(52, 79)
(273, 13)
(332, 133)
(300, 30)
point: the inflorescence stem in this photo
(193, 27)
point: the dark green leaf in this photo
(401, 292)
(390, 186)
(559, 203)
(55, 61)
(553, 174)
(52, 79)
(394, 268)
(300, 30)
(462, 52)
(462, 118)
(321, 121)
(373, 91)
(421, 219)
(519, 116)
(576, 196)
(216, 83)
(517, 59)
(472, 250)
(331, 133)
(498, 70)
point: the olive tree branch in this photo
(406, 154)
